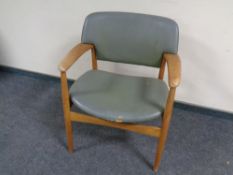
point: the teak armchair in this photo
(122, 101)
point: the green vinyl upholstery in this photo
(119, 98)
(130, 37)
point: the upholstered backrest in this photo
(130, 37)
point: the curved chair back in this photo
(130, 37)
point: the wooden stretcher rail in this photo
(140, 129)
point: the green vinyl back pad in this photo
(130, 37)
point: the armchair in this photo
(122, 101)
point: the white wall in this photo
(35, 35)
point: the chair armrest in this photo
(73, 55)
(174, 69)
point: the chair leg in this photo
(69, 135)
(66, 110)
(164, 130)
(160, 149)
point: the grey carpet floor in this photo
(32, 138)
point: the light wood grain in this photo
(73, 55)
(162, 69)
(94, 59)
(174, 69)
(66, 110)
(165, 126)
(141, 129)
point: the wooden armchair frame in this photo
(174, 74)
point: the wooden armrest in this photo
(174, 69)
(73, 55)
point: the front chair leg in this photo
(165, 126)
(69, 134)
(160, 149)
(66, 110)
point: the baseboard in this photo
(203, 110)
(178, 104)
(30, 73)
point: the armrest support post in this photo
(162, 69)
(94, 60)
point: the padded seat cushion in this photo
(119, 98)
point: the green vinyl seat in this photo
(119, 98)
